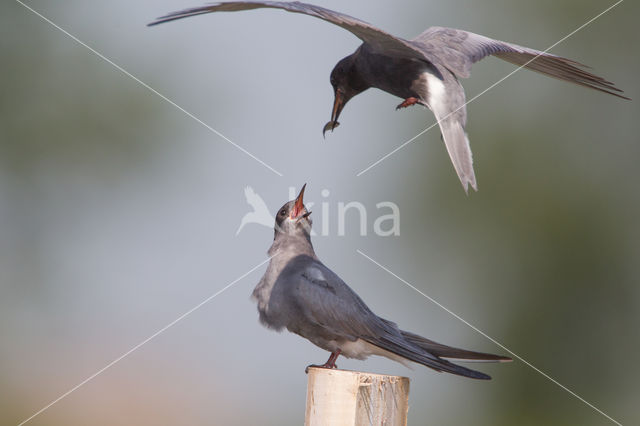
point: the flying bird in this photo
(424, 70)
(299, 293)
(260, 213)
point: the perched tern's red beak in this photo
(298, 207)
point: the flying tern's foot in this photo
(408, 102)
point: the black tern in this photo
(299, 293)
(424, 70)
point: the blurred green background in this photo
(118, 213)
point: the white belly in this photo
(361, 349)
(436, 92)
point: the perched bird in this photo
(260, 213)
(424, 70)
(299, 293)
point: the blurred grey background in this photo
(118, 213)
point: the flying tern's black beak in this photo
(338, 103)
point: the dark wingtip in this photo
(163, 19)
(183, 14)
(469, 373)
(502, 359)
(479, 375)
(483, 376)
(459, 370)
(160, 20)
(167, 18)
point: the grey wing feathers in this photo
(458, 50)
(329, 302)
(375, 37)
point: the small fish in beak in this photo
(338, 103)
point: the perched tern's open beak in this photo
(298, 206)
(338, 103)
(304, 216)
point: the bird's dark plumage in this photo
(424, 70)
(299, 293)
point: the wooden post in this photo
(353, 398)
